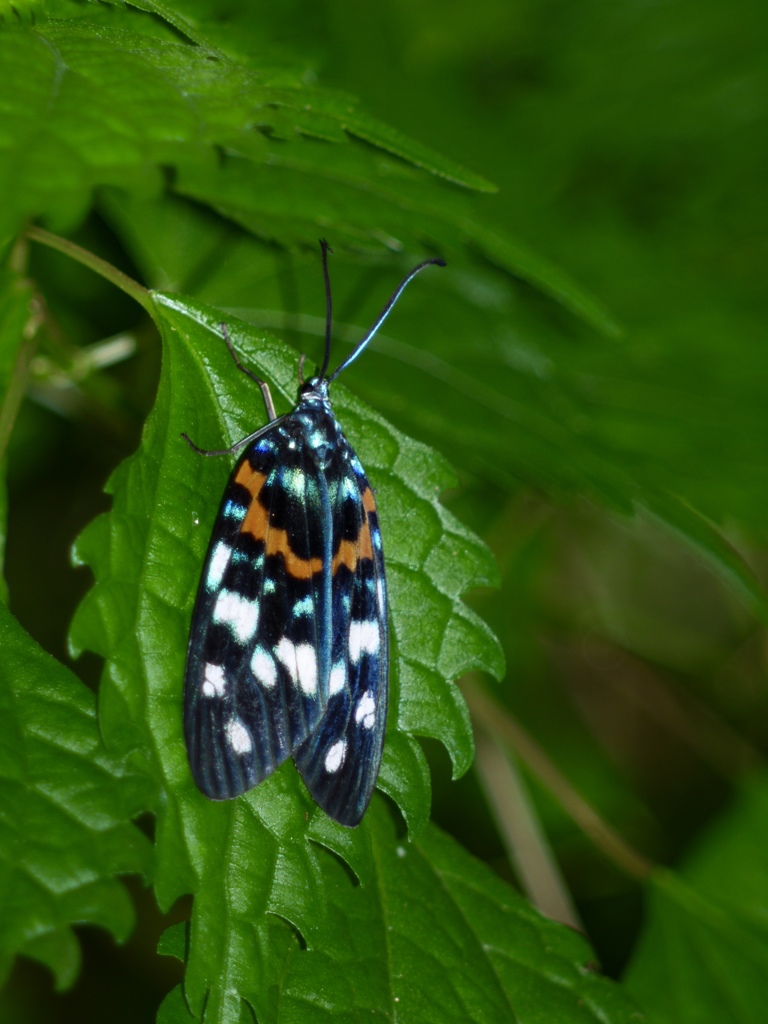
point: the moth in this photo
(289, 645)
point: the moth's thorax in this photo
(314, 418)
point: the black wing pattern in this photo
(258, 662)
(340, 761)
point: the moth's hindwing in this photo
(340, 761)
(258, 662)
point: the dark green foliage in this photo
(704, 947)
(66, 810)
(203, 149)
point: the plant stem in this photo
(527, 846)
(96, 263)
(15, 391)
(497, 722)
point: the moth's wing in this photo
(340, 761)
(256, 681)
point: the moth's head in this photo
(314, 391)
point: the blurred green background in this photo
(629, 142)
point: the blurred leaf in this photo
(707, 539)
(65, 810)
(112, 106)
(727, 862)
(170, 15)
(360, 202)
(19, 11)
(703, 953)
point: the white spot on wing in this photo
(263, 668)
(239, 613)
(363, 638)
(350, 488)
(219, 562)
(214, 682)
(334, 759)
(238, 736)
(300, 663)
(381, 595)
(307, 662)
(365, 711)
(338, 680)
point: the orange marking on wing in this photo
(368, 503)
(350, 550)
(299, 568)
(250, 478)
(276, 542)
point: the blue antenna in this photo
(437, 261)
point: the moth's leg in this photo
(223, 451)
(268, 403)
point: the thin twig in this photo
(96, 263)
(19, 376)
(499, 723)
(527, 847)
(681, 714)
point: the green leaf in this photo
(703, 953)
(440, 938)
(173, 1009)
(436, 937)
(174, 18)
(65, 810)
(24, 11)
(173, 941)
(130, 103)
(255, 860)
(344, 111)
(110, 106)
(328, 115)
(298, 192)
(522, 262)
(405, 778)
